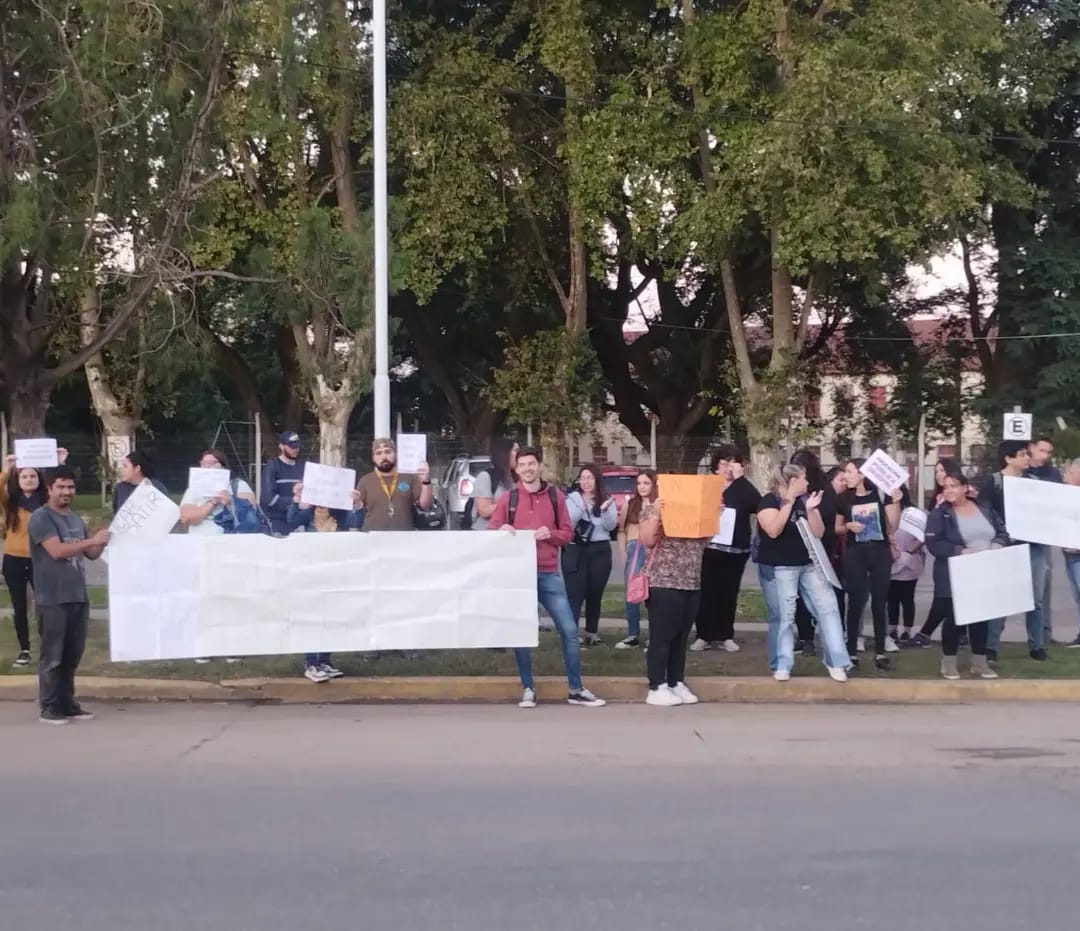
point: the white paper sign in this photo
(726, 530)
(207, 483)
(818, 556)
(913, 521)
(1017, 426)
(884, 472)
(411, 452)
(117, 448)
(146, 514)
(328, 486)
(248, 595)
(38, 453)
(1042, 512)
(991, 584)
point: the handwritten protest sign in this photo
(884, 472)
(818, 556)
(1042, 512)
(37, 453)
(411, 452)
(207, 483)
(991, 584)
(328, 487)
(147, 513)
(913, 521)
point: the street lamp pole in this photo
(382, 263)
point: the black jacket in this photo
(278, 479)
(943, 539)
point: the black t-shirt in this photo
(787, 549)
(743, 498)
(868, 510)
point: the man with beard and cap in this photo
(279, 477)
(388, 498)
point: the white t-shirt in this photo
(482, 489)
(208, 525)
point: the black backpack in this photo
(553, 495)
(468, 516)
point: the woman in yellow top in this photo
(22, 491)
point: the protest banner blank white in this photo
(991, 584)
(328, 487)
(36, 453)
(411, 452)
(147, 513)
(1042, 512)
(884, 472)
(207, 483)
(246, 595)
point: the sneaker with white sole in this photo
(628, 644)
(781, 675)
(202, 660)
(332, 672)
(51, 716)
(860, 645)
(837, 674)
(586, 698)
(681, 691)
(528, 699)
(663, 696)
(890, 645)
(23, 659)
(699, 646)
(77, 712)
(730, 646)
(316, 674)
(233, 659)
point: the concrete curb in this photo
(455, 689)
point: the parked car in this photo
(620, 482)
(457, 486)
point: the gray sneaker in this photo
(50, 716)
(586, 698)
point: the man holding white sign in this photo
(388, 498)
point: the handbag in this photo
(637, 586)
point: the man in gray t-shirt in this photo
(482, 491)
(58, 543)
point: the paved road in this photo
(495, 819)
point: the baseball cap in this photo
(289, 438)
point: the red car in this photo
(620, 482)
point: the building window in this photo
(878, 397)
(599, 455)
(945, 452)
(629, 455)
(812, 409)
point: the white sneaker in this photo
(860, 646)
(781, 675)
(628, 644)
(332, 672)
(316, 674)
(528, 699)
(586, 698)
(890, 645)
(663, 696)
(680, 691)
(233, 659)
(202, 660)
(730, 646)
(837, 674)
(699, 646)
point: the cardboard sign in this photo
(818, 556)
(38, 453)
(991, 584)
(692, 504)
(207, 483)
(328, 487)
(884, 472)
(411, 452)
(1042, 512)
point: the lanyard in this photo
(388, 490)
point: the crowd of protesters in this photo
(875, 555)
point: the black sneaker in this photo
(51, 716)
(78, 713)
(991, 656)
(1073, 644)
(1039, 655)
(921, 640)
(23, 659)
(905, 637)
(882, 662)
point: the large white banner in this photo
(243, 595)
(991, 584)
(1042, 512)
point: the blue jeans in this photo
(316, 659)
(551, 593)
(1040, 571)
(781, 587)
(1072, 572)
(635, 561)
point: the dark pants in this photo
(587, 570)
(721, 576)
(672, 613)
(804, 620)
(902, 596)
(950, 632)
(867, 567)
(62, 630)
(19, 578)
(935, 615)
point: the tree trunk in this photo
(333, 407)
(117, 419)
(29, 404)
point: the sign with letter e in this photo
(1017, 426)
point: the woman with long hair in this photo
(869, 520)
(22, 491)
(957, 526)
(787, 572)
(632, 550)
(726, 555)
(135, 468)
(586, 562)
(495, 481)
(817, 481)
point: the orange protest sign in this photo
(692, 504)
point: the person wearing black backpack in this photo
(491, 484)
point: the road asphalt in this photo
(810, 818)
